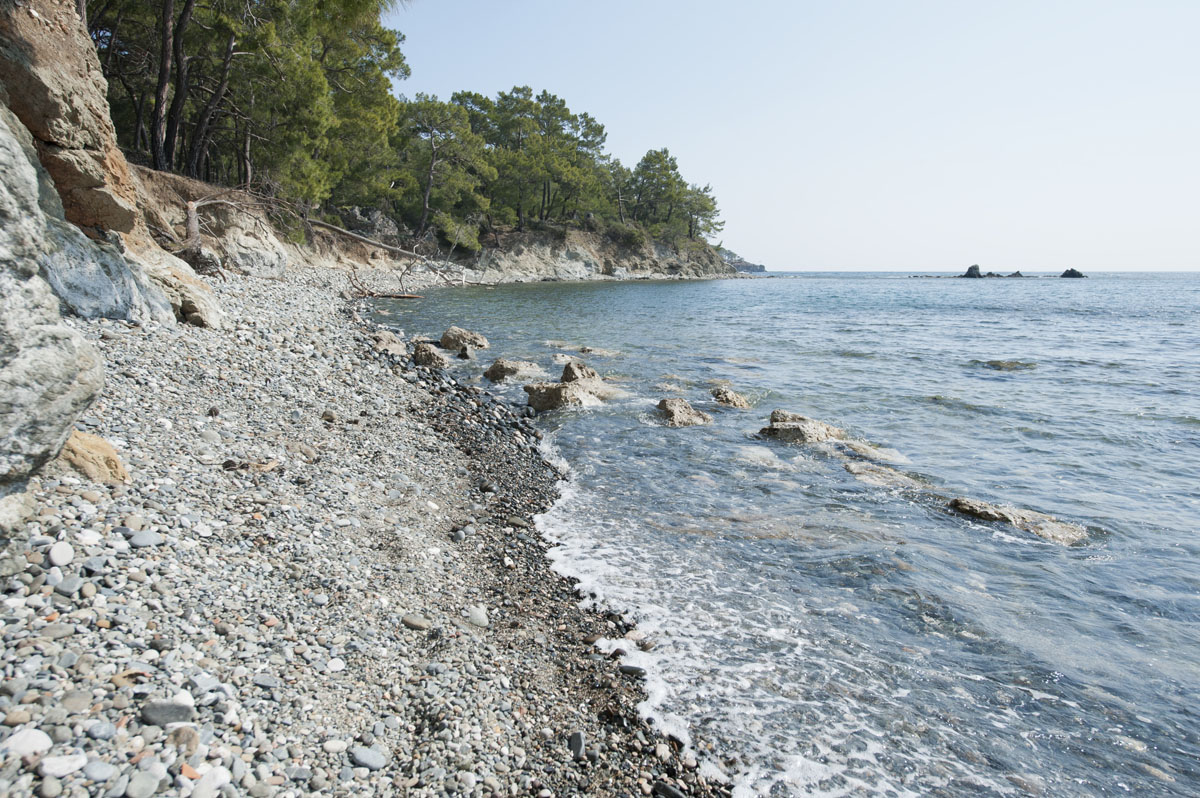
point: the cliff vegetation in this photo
(294, 101)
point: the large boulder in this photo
(553, 395)
(795, 428)
(190, 297)
(504, 369)
(730, 398)
(456, 338)
(56, 88)
(1073, 273)
(973, 271)
(679, 413)
(426, 354)
(388, 342)
(577, 371)
(48, 373)
(580, 385)
(1044, 526)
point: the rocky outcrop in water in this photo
(503, 369)
(1043, 525)
(738, 262)
(680, 413)
(1073, 273)
(974, 272)
(795, 428)
(730, 398)
(580, 385)
(48, 373)
(456, 338)
(428, 355)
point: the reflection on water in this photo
(826, 635)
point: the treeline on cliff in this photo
(293, 99)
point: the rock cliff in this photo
(54, 86)
(48, 372)
(579, 255)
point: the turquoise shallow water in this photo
(827, 636)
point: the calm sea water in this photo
(829, 637)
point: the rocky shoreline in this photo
(321, 577)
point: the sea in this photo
(809, 633)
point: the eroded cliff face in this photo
(56, 89)
(589, 256)
(54, 86)
(48, 373)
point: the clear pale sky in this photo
(883, 134)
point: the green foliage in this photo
(295, 98)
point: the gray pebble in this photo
(145, 539)
(160, 713)
(98, 771)
(102, 731)
(369, 758)
(142, 784)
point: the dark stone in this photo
(576, 743)
(664, 790)
(1075, 273)
(160, 713)
(973, 271)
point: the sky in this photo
(874, 134)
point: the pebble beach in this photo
(319, 574)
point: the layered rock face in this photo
(588, 256)
(52, 82)
(48, 372)
(57, 91)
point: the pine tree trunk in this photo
(158, 119)
(182, 64)
(200, 134)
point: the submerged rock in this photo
(881, 476)
(1004, 365)
(503, 368)
(1043, 525)
(795, 428)
(456, 338)
(580, 385)
(730, 398)
(679, 413)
